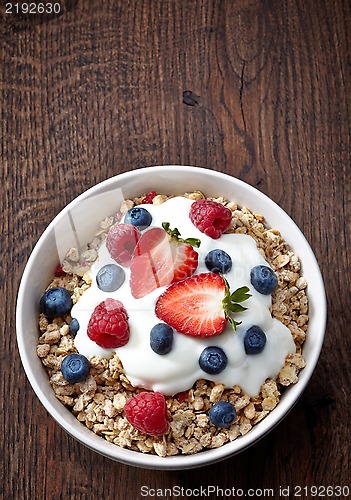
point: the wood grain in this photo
(98, 90)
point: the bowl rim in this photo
(136, 458)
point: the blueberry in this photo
(56, 302)
(74, 326)
(110, 278)
(213, 360)
(218, 261)
(254, 341)
(75, 368)
(161, 338)
(263, 279)
(138, 217)
(222, 414)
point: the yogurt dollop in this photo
(178, 370)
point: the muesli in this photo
(184, 333)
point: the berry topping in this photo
(56, 302)
(149, 197)
(161, 338)
(59, 271)
(138, 217)
(147, 412)
(200, 305)
(194, 306)
(74, 326)
(213, 360)
(160, 259)
(263, 279)
(110, 278)
(210, 217)
(218, 261)
(222, 414)
(75, 368)
(254, 340)
(108, 325)
(151, 265)
(182, 396)
(121, 241)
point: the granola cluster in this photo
(99, 401)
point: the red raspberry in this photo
(121, 241)
(149, 197)
(210, 217)
(108, 325)
(147, 412)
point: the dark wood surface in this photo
(98, 90)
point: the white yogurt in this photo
(179, 369)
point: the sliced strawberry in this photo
(151, 265)
(201, 305)
(194, 306)
(185, 260)
(159, 260)
(150, 240)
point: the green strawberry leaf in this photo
(236, 308)
(194, 242)
(233, 322)
(231, 302)
(240, 294)
(175, 235)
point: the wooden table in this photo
(98, 89)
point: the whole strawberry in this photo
(108, 325)
(147, 413)
(210, 217)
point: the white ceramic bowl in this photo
(78, 221)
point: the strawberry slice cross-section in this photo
(160, 259)
(201, 305)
